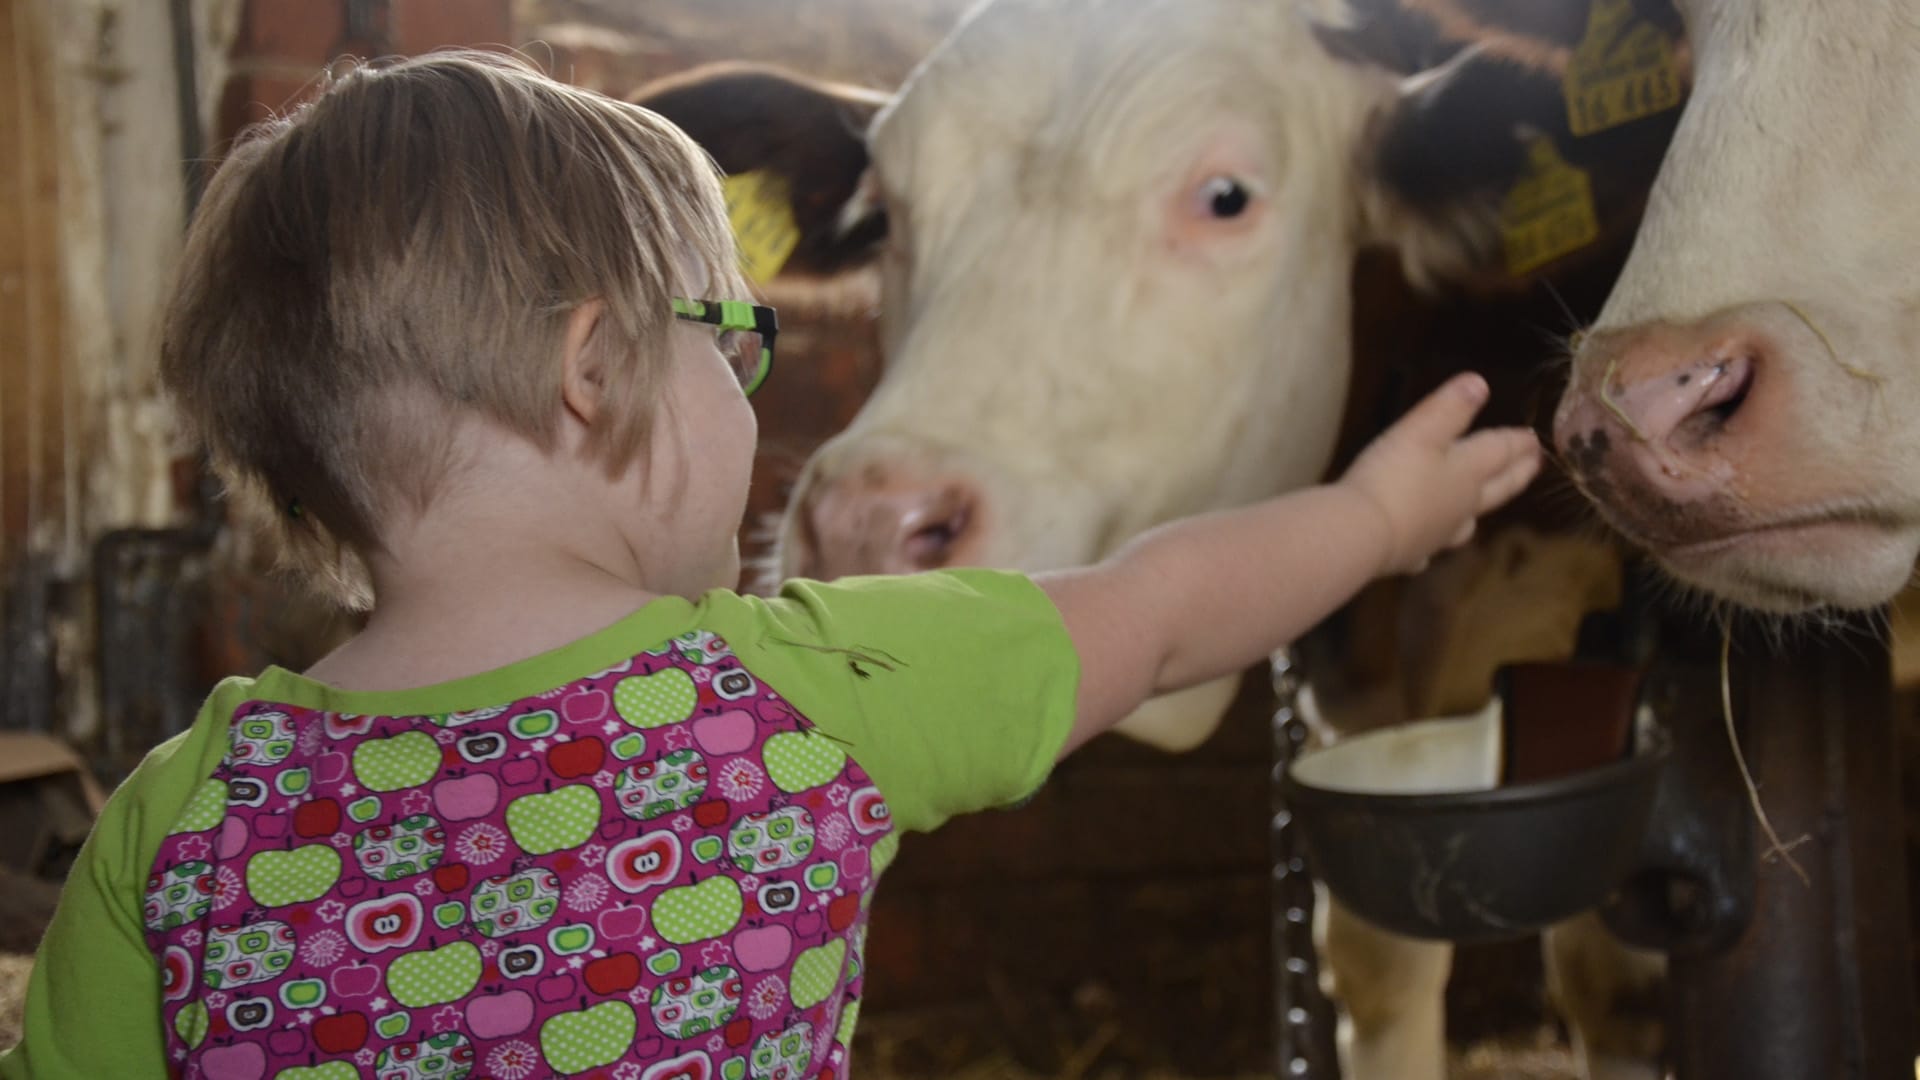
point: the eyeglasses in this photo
(746, 335)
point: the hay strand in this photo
(1774, 845)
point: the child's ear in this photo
(582, 381)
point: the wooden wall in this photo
(37, 474)
(92, 200)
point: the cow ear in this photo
(809, 133)
(1442, 156)
(1380, 33)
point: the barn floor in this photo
(1488, 1061)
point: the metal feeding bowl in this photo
(1486, 827)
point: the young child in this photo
(569, 805)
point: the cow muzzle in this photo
(882, 514)
(1657, 425)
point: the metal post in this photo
(1818, 987)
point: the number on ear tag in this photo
(1621, 71)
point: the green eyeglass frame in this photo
(751, 364)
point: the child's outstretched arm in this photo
(1207, 596)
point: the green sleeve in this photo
(93, 1000)
(954, 690)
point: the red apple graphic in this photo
(176, 973)
(692, 1065)
(581, 757)
(321, 817)
(842, 911)
(644, 861)
(711, 813)
(739, 1032)
(869, 811)
(495, 1016)
(341, 1033)
(451, 877)
(386, 922)
(612, 974)
(355, 979)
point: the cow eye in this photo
(1226, 197)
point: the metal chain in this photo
(1301, 1051)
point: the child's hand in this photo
(1430, 484)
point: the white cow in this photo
(1116, 290)
(1743, 405)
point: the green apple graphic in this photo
(278, 878)
(554, 821)
(439, 975)
(205, 808)
(884, 851)
(797, 761)
(190, 1023)
(406, 760)
(650, 701)
(697, 912)
(815, 973)
(577, 1041)
(849, 1016)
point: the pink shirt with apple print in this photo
(637, 863)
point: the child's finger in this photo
(1443, 415)
(1493, 451)
(1514, 478)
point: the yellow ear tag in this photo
(1621, 71)
(761, 212)
(1549, 212)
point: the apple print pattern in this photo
(663, 864)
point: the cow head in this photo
(1742, 407)
(1115, 243)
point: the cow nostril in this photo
(1732, 385)
(931, 537)
(931, 545)
(1729, 383)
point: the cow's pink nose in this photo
(1654, 402)
(885, 519)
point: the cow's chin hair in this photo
(1860, 575)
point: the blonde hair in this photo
(420, 233)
